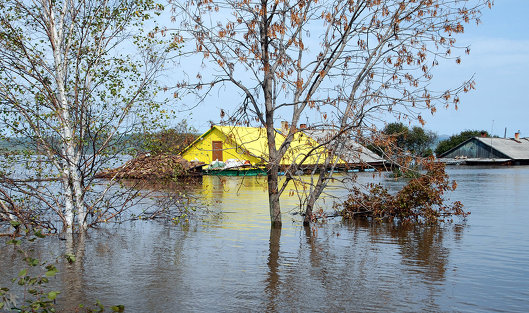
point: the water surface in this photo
(232, 261)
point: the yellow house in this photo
(250, 144)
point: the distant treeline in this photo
(167, 141)
(174, 140)
(422, 142)
(13, 145)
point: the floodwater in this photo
(230, 260)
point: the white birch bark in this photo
(5, 212)
(70, 181)
(79, 202)
(55, 58)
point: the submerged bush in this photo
(420, 200)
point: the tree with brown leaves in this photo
(354, 62)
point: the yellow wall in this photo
(255, 146)
(301, 146)
(202, 149)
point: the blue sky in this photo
(499, 62)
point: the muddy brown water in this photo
(230, 260)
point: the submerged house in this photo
(353, 154)
(481, 150)
(239, 145)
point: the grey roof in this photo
(514, 149)
(353, 152)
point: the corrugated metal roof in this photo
(353, 152)
(515, 149)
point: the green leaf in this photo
(51, 273)
(52, 295)
(70, 258)
(15, 224)
(2, 305)
(23, 272)
(118, 308)
(39, 234)
(14, 242)
(31, 261)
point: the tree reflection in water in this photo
(419, 245)
(359, 264)
(234, 261)
(272, 282)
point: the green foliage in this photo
(399, 132)
(421, 200)
(455, 140)
(77, 80)
(118, 308)
(398, 172)
(170, 141)
(415, 140)
(419, 141)
(70, 257)
(15, 224)
(98, 308)
(34, 279)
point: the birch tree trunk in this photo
(60, 49)
(65, 91)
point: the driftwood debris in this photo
(161, 166)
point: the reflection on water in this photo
(233, 261)
(272, 282)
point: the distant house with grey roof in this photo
(480, 150)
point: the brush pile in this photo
(154, 167)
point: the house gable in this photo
(250, 143)
(202, 149)
(476, 149)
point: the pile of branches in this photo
(147, 166)
(420, 201)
